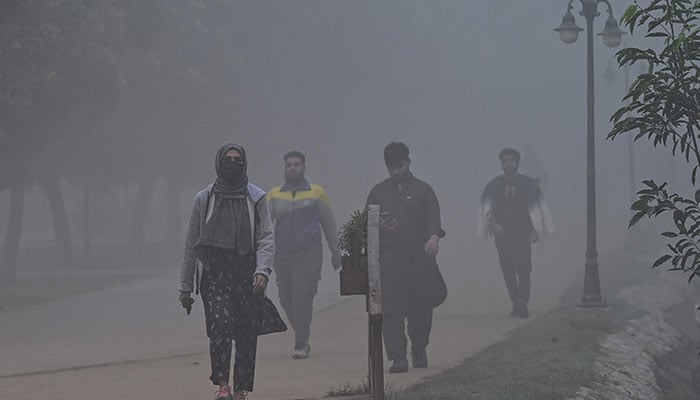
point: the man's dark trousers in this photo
(514, 254)
(419, 325)
(405, 299)
(297, 280)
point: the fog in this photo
(455, 80)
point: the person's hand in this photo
(533, 237)
(335, 260)
(497, 229)
(432, 246)
(388, 223)
(186, 301)
(259, 283)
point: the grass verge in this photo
(551, 357)
(349, 389)
(41, 289)
(548, 359)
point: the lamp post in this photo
(612, 36)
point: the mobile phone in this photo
(386, 216)
(188, 307)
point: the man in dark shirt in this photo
(513, 210)
(410, 232)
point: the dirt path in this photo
(130, 342)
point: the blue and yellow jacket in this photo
(299, 217)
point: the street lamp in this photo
(612, 36)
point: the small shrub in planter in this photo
(352, 243)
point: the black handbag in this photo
(438, 290)
(270, 319)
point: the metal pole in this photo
(591, 285)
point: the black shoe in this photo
(514, 311)
(400, 365)
(419, 358)
(524, 312)
(520, 310)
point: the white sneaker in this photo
(302, 353)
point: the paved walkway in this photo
(134, 342)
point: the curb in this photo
(627, 365)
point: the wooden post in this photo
(374, 297)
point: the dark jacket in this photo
(410, 279)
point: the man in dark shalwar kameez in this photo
(410, 232)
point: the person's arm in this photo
(431, 211)
(330, 229)
(432, 214)
(265, 240)
(487, 224)
(269, 198)
(547, 223)
(190, 257)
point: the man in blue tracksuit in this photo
(300, 211)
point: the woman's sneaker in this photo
(224, 394)
(240, 395)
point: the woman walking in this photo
(228, 257)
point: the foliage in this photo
(79, 77)
(58, 69)
(352, 236)
(663, 106)
(684, 254)
(348, 389)
(103, 93)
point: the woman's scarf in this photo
(226, 185)
(228, 226)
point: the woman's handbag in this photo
(270, 319)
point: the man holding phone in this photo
(410, 232)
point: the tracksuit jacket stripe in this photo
(299, 218)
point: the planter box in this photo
(353, 277)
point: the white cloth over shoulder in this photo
(540, 216)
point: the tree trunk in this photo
(173, 223)
(61, 227)
(13, 234)
(87, 236)
(138, 216)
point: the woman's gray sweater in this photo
(263, 237)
